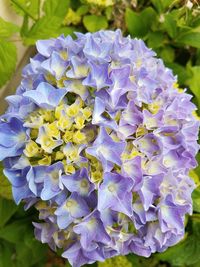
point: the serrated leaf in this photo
(5, 186)
(7, 28)
(95, 23)
(186, 252)
(56, 8)
(139, 24)
(8, 58)
(7, 209)
(193, 82)
(30, 7)
(44, 28)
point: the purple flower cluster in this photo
(100, 139)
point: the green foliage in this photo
(7, 29)
(5, 186)
(56, 8)
(30, 7)
(95, 23)
(196, 199)
(138, 23)
(18, 247)
(42, 29)
(8, 58)
(187, 251)
(193, 81)
(170, 28)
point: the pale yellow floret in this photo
(151, 123)
(45, 161)
(80, 122)
(63, 54)
(132, 78)
(82, 70)
(154, 107)
(86, 112)
(69, 169)
(96, 176)
(47, 143)
(134, 153)
(60, 111)
(64, 123)
(33, 121)
(47, 115)
(31, 149)
(68, 136)
(59, 155)
(141, 130)
(71, 153)
(79, 137)
(52, 130)
(73, 110)
(60, 83)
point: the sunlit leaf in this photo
(8, 58)
(95, 23)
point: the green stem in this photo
(24, 10)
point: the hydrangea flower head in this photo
(100, 140)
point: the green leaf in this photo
(82, 10)
(7, 209)
(7, 28)
(5, 186)
(196, 199)
(29, 7)
(8, 59)
(139, 24)
(161, 5)
(15, 231)
(67, 30)
(95, 23)
(6, 253)
(194, 81)
(180, 71)
(190, 38)
(155, 39)
(56, 8)
(167, 54)
(186, 252)
(169, 25)
(44, 28)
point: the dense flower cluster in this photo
(100, 139)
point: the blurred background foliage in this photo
(172, 29)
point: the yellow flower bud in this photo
(31, 149)
(79, 137)
(45, 161)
